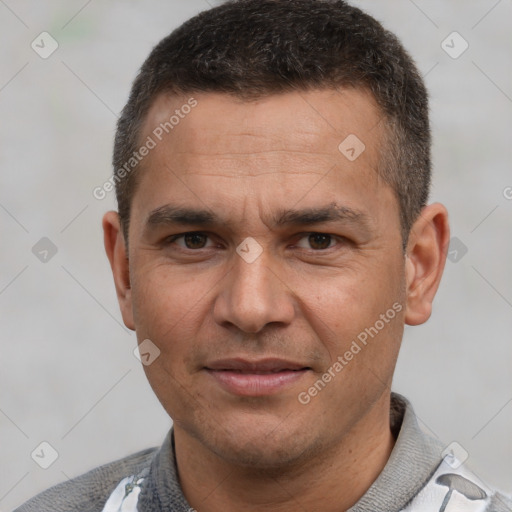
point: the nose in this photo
(253, 295)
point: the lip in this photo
(257, 377)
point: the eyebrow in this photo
(169, 214)
(330, 213)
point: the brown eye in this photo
(195, 240)
(192, 240)
(319, 241)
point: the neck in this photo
(332, 480)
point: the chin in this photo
(263, 454)
(253, 443)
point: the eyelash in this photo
(170, 240)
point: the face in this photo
(259, 255)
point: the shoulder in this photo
(88, 492)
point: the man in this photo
(272, 170)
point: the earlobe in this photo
(425, 261)
(115, 248)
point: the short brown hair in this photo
(254, 48)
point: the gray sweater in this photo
(415, 459)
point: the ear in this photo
(116, 252)
(425, 259)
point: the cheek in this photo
(342, 300)
(343, 306)
(169, 311)
(166, 303)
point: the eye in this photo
(193, 240)
(316, 241)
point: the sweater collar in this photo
(413, 460)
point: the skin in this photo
(301, 300)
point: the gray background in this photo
(67, 372)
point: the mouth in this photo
(256, 378)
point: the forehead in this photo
(306, 121)
(321, 143)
